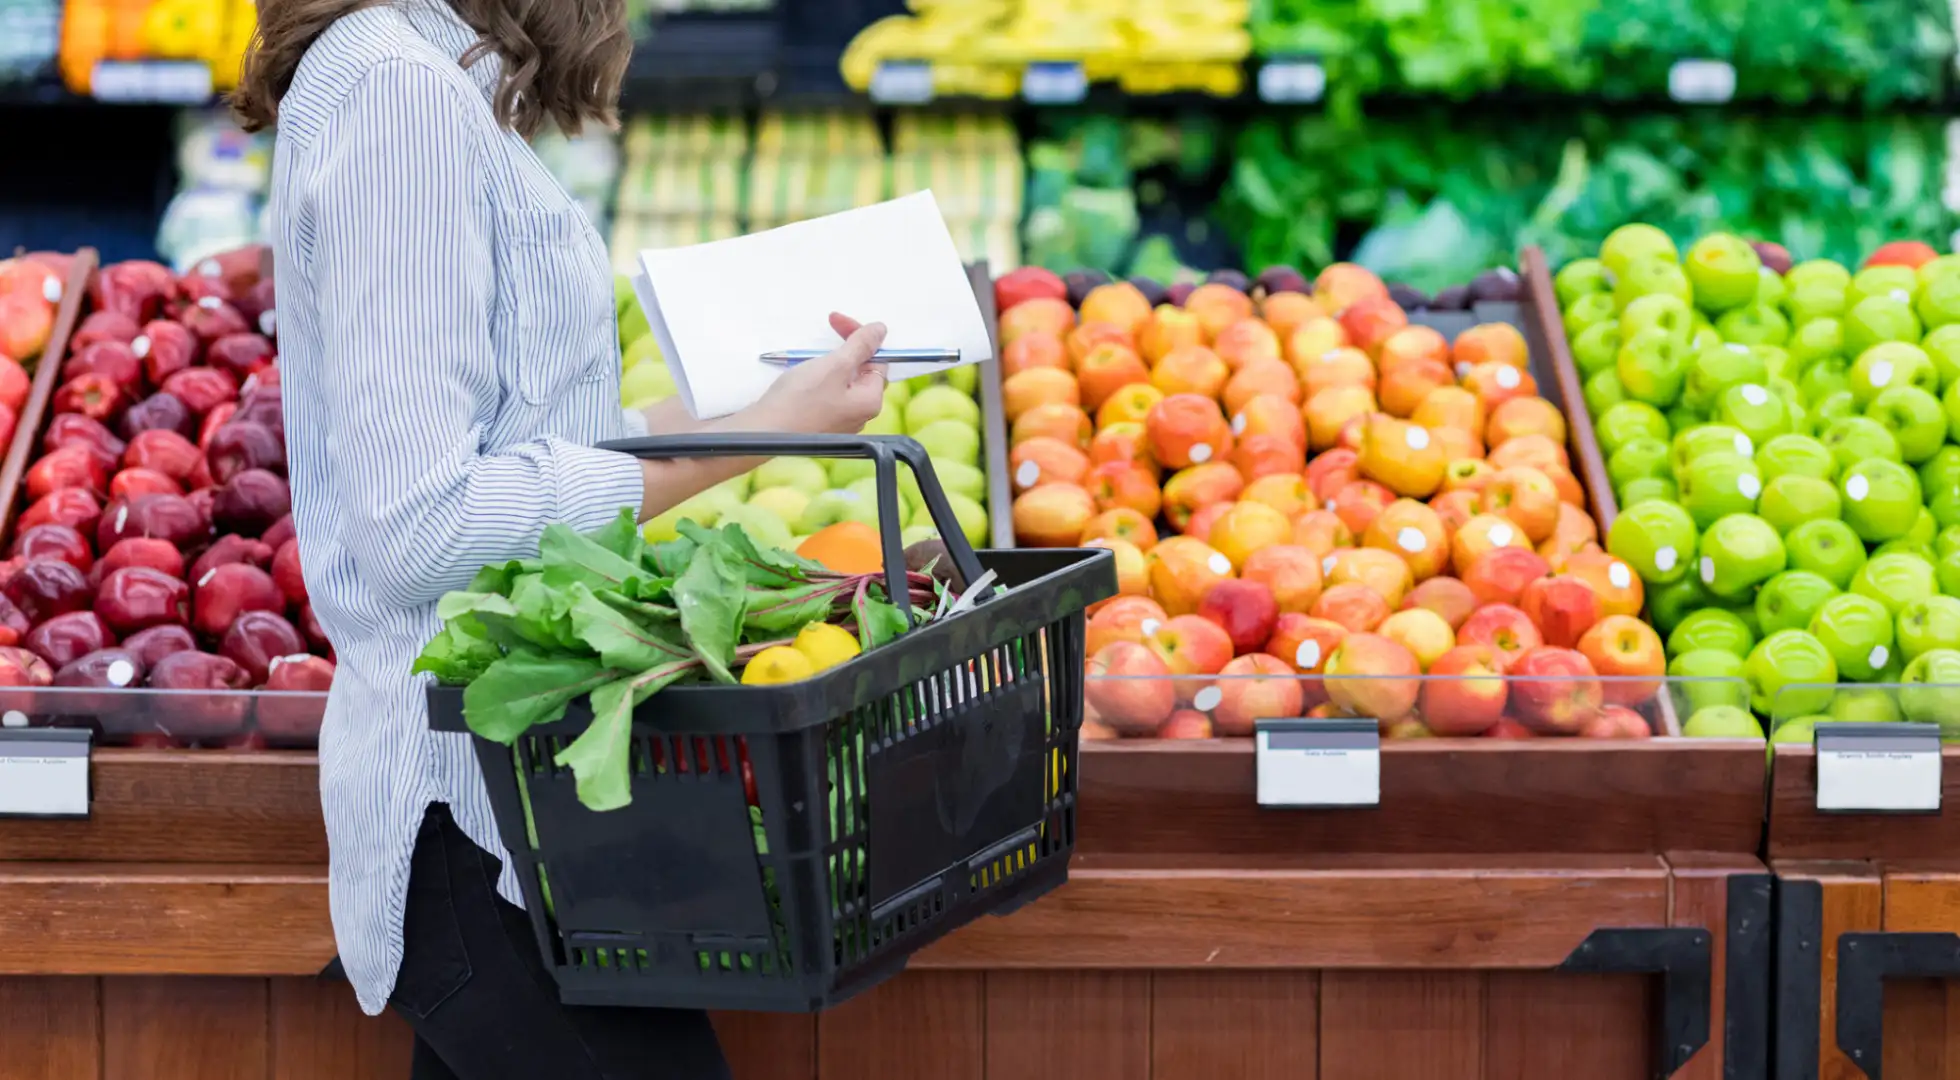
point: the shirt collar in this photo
(438, 24)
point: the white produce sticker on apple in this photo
(1418, 438)
(1201, 453)
(1857, 487)
(1707, 570)
(1501, 534)
(1619, 575)
(1755, 395)
(1207, 699)
(1878, 656)
(1748, 485)
(1507, 377)
(1881, 373)
(1149, 627)
(1411, 539)
(1307, 656)
(1219, 564)
(1743, 446)
(1665, 558)
(1027, 474)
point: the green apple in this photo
(1711, 628)
(1643, 457)
(1756, 324)
(1669, 605)
(959, 478)
(1937, 302)
(889, 421)
(1713, 486)
(940, 403)
(1652, 277)
(950, 440)
(1833, 406)
(1692, 444)
(1724, 271)
(1790, 674)
(764, 526)
(1827, 548)
(1892, 363)
(1942, 345)
(1823, 377)
(1627, 243)
(1815, 300)
(1930, 690)
(1895, 579)
(1665, 313)
(1770, 287)
(1738, 553)
(1857, 631)
(1947, 569)
(1947, 540)
(1928, 623)
(804, 474)
(917, 534)
(1816, 340)
(972, 518)
(787, 503)
(1745, 610)
(642, 351)
(1788, 600)
(1939, 266)
(839, 504)
(633, 324)
(1798, 731)
(844, 471)
(1797, 455)
(965, 379)
(1790, 500)
(1709, 677)
(1627, 421)
(1596, 347)
(1941, 471)
(1713, 370)
(1878, 319)
(1915, 419)
(1864, 705)
(1682, 418)
(1823, 270)
(1722, 722)
(1603, 391)
(1857, 439)
(866, 491)
(1756, 412)
(1580, 278)
(1657, 539)
(1650, 487)
(900, 393)
(704, 509)
(1590, 310)
(1893, 282)
(1704, 337)
(1881, 499)
(623, 293)
(646, 383)
(1951, 402)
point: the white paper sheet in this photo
(715, 308)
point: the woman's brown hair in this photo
(563, 59)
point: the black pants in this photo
(483, 1007)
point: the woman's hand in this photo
(838, 393)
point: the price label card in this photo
(1701, 82)
(1318, 763)
(1878, 768)
(152, 82)
(1054, 83)
(1292, 82)
(902, 82)
(44, 772)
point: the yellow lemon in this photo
(780, 664)
(824, 645)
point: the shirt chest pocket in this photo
(559, 315)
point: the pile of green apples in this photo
(1782, 444)
(786, 499)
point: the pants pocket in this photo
(435, 963)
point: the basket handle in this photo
(884, 451)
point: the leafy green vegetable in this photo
(606, 616)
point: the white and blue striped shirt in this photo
(448, 356)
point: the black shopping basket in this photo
(893, 799)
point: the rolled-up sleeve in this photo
(405, 280)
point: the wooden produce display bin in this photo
(1509, 909)
(1868, 931)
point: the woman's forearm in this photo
(671, 481)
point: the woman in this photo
(449, 358)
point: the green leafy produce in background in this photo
(1431, 197)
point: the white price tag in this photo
(1052, 83)
(1292, 82)
(1701, 82)
(152, 82)
(902, 82)
(1878, 768)
(1318, 763)
(44, 772)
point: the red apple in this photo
(1370, 675)
(1564, 607)
(1472, 699)
(1507, 630)
(1628, 653)
(1253, 687)
(1245, 610)
(1555, 691)
(1129, 687)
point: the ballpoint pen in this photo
(787, 357)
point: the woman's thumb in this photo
(861, 346)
